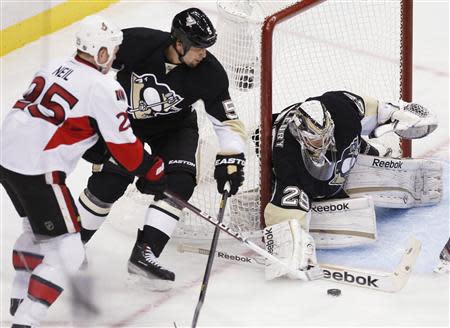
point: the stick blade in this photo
(403, 271)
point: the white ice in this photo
(239, 296)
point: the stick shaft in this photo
(209, 264)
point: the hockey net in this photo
(276, 53)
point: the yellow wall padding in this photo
(48, 21)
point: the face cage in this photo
(316, 152)
(306, 139)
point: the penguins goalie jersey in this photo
(68, 103)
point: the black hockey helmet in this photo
(193, 28)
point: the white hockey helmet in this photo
(312, 126)
(95, 33)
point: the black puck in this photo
(334, 292)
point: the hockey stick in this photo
(303, 275)
(377, 280)
(213, 247)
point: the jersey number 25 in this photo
(47, 104)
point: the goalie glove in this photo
(229, 168)
(408, 120)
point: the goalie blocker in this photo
(396, 183)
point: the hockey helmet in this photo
(95, 33)
(193, 28)
(312, 126)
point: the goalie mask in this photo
(312, 126)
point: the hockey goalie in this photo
(327, 178)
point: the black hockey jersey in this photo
(161, 95)
(346, 110)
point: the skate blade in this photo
(141, 278)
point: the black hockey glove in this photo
(154, 182)
(98, 153)
(229, 168)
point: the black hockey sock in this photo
(155, 238)
(86, 235)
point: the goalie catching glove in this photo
(229, 168)
(408, 120)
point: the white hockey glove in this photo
(291, 244)
(408, 120)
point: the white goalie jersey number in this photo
(295, 197)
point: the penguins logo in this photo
(345, 164)
(150, 98)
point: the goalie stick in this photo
(377, 280)
(312, 274)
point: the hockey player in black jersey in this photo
(315, 146)
(164, 74)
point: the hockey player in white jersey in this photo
(69, 105)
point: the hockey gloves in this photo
(154, 181)
(229, 168)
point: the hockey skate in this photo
(144, 263)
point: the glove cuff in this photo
(236, 159)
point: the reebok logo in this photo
(388, 164)
(268, 237)
(236, 258)
(351, 279)
(331, 208)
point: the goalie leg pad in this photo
(343, 222)
(396, 183)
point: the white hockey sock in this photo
(162, 216)
(93, 211)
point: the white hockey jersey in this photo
(67, 105)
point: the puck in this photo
(334, 292)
